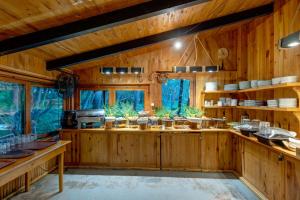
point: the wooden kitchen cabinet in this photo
(216, 151)
(292, 179)
(264, 169)
(72, 154)
(181, 151)
(135, 150)
(94, 149)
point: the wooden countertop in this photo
(154, 130)
(277, 149)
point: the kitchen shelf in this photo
(269, 108)
(219, 107)
(270, 87)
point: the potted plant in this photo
(193, 115)
(143, 122)
(110, 117)
(165, 116)
(127, 111)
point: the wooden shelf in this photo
(220, 107)
(271, 87)
(220, 92)
(269, 108)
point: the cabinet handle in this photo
(281, 157)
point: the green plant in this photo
(127, 110)
(192, 112)
(163, 112)
(111, 111)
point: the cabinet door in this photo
(264, 169)
(135, 150)
(292, 179)
(181, 151)
(72, 150)
(94, 148)
(216, 150)
(238, 153)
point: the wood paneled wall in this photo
(253, 55)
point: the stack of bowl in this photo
(287, 102)
(244, 85)
(231, 87)
(272, 103)
(211, 86)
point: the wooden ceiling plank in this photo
(93, 24)
(191, 29)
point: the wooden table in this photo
(24, 165)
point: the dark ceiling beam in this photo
(191, 29)
(93, 24)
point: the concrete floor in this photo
(139, 185)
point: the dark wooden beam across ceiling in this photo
(191, 29)
(93, 24)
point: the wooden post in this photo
(61, 171)
(27, 181)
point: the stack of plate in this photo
(253, 83)
(289, 79)
(288, 103)
(211, 86)
(249, 103)
(253, 103)
(272, 103)
(231, 87)
(264, 83)
(244, 85)
(259, 103)
(276, 81)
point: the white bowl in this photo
(231, 87)
(211, 86)
(276, 80)
(244, 85)
(253, 83)
(289, 79)
(264, 83)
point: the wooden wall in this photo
(25, 67)
(253, 55)
(161, 57)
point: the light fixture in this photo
(290, 41)
(122, 70)
(137, 70)
(178, 45)
(213, 68)
(178, 69)
(107, 70)
(195, 69)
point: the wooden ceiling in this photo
(40, 14)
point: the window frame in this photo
(28, 84)
(112, 92)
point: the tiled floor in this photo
(139, 185)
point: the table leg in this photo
(27, 182)
(61, 171)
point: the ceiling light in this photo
(290, 41)
(178, 45)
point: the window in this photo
(176, 94)
(12, 107)
(135, 97)
(93, 99)
(46, 110)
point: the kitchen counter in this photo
(184, 131)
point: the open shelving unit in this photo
(295, 86)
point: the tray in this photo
(5, 162)
(17, 153)
(37, 145)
